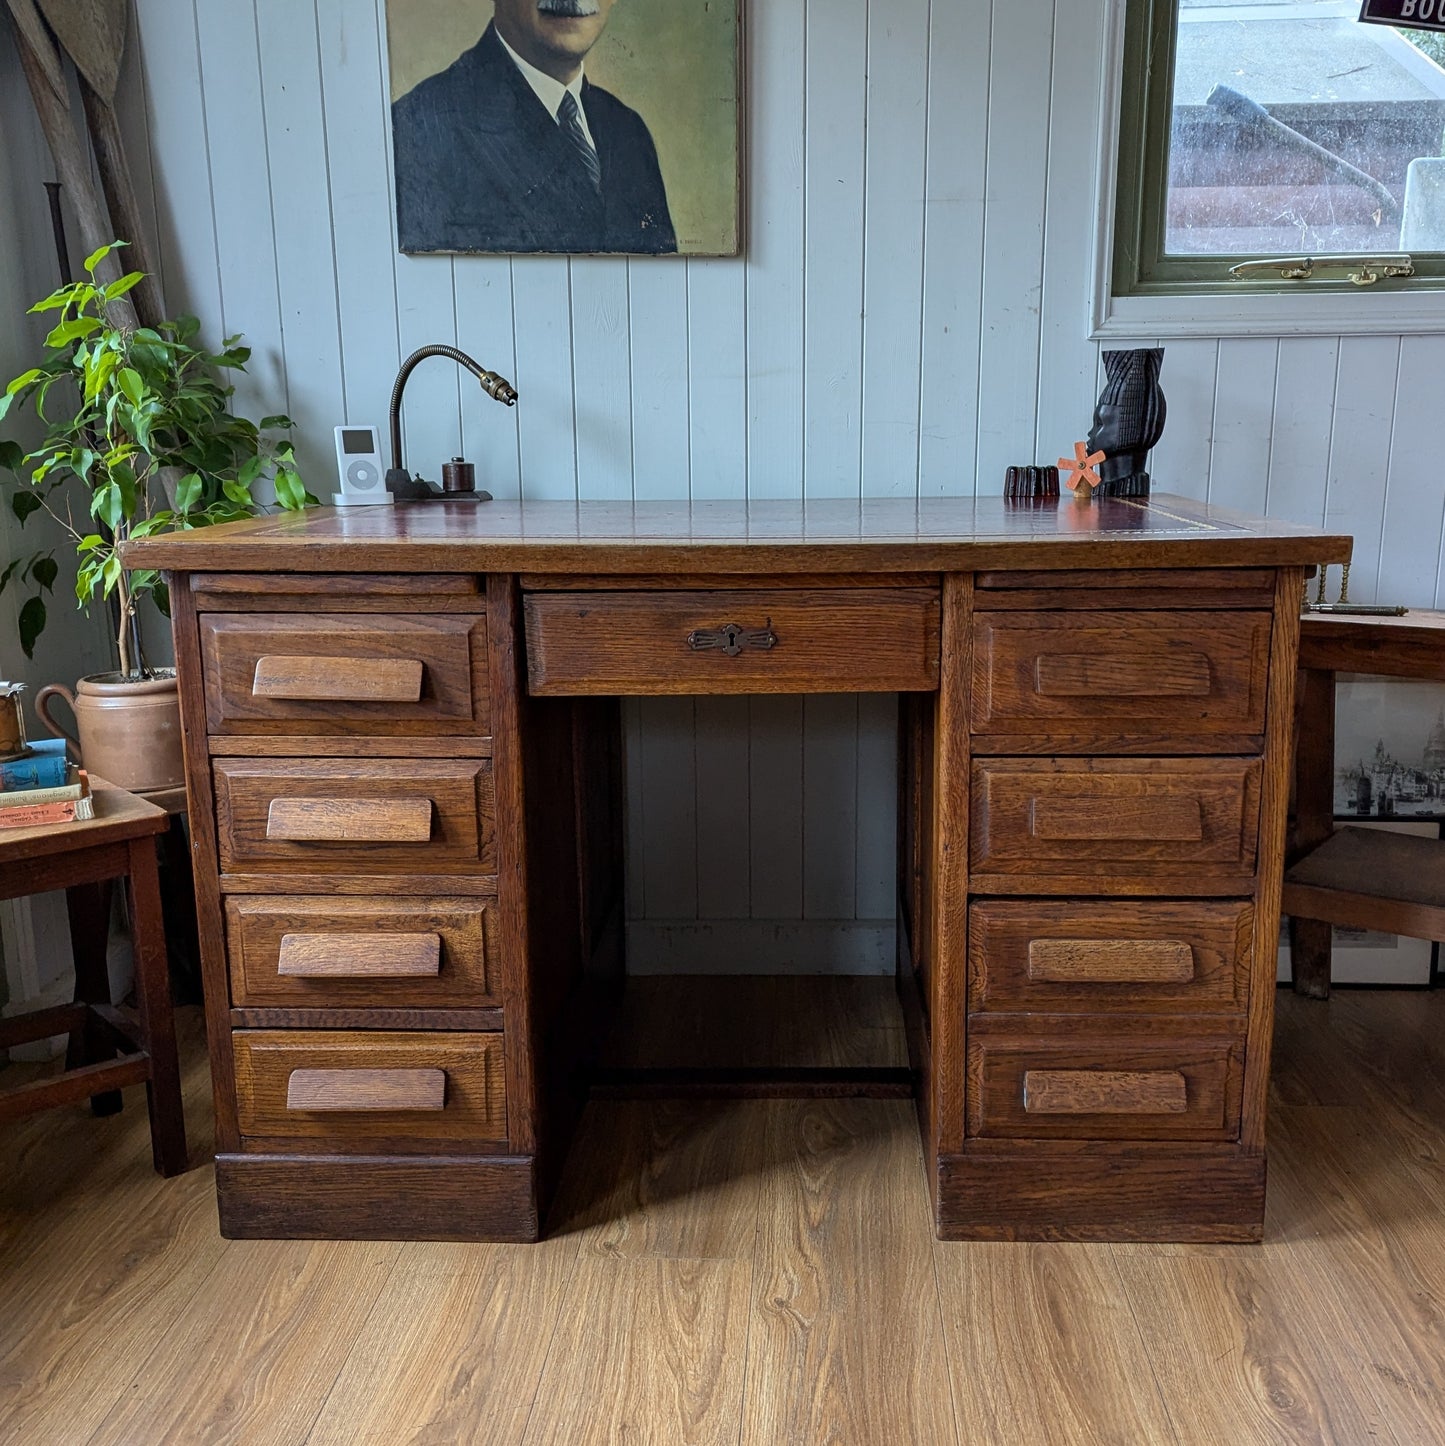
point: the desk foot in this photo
(318, 1197)
(1122, 1193)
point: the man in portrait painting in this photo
(513, 149)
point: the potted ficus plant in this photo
(139, 439)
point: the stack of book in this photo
(39, 786)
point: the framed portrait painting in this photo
(589, 127)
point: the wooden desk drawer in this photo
(378, 953)
(368, 816)
(1124, 1087)
(1118, 957)
(1068, 682)
(345, 673)
(824, 640)
(403, 1091)
(1116, 825)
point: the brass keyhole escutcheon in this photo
(733, 639)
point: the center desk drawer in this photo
(804, 640)
(1117, 825)
(357, 1089)
(381, 816)
(376, 953)
(1067, 682)
(344, 672)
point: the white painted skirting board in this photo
(761, 946)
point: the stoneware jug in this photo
(130, 729)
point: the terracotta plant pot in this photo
(130, 729)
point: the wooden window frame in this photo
(1141, 291)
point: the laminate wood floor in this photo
(752, 1272)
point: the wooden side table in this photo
(107, 1050)
(1354, 877)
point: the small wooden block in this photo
(346, 1091)
(1104, 1092)
(1110, 961)
(339, 680)
(350, 820)
(360, 956)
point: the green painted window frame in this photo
(1140, 266)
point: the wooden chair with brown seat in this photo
(1354, 877)
(107, 1048)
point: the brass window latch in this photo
(1362, 270)
(732, 639)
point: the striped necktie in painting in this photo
(569, 115)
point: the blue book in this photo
(43, 767)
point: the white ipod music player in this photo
(358, 461)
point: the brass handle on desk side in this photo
(732, 639)
(350, 820)
(360, 956)
(338, 680)
(346, 1091)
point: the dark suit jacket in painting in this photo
(482, 166)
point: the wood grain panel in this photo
(845, 640)
(1139, 822)
(338, 680)
(329, 956)
(365, 1091)
(329, 673)
(337, 817)
(1134, 956)
(1104, 1092)
(271, 1106)
(349, 820)
(1078, 682)
(1123, 1086)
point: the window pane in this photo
(1294, 130)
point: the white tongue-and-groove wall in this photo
(910, 318)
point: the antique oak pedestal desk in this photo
(404, 772)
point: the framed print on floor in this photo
(566, 126)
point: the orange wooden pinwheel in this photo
(1081, 469)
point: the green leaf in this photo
(44, 573)
(107, 505)
(279, 423)
(237, 492)
(188, 492)
(9, 573)
(128, 282)
(69, 331)
(12, 458)
(250, 472)
(32, 624)
(290, 492)
(99, 255)
(23, 381)
(22, 504)
(129, 381)
(110, 571)
(161, 596)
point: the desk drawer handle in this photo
(338, 680)
(1105, 1092)
(350, 820)
(1110, 961)
(732, 640)
(344, 1091)
(360, 956)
